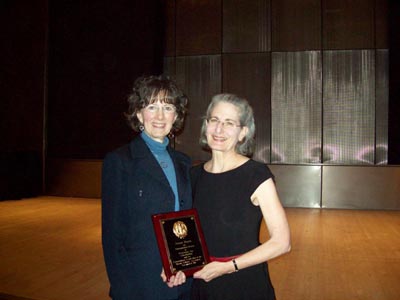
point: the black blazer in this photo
(133, 188)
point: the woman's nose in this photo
(219, 127)
(160, 113)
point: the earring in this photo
(171, 135)
(141, 127)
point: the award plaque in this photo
(180, 241)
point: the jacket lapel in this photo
(181, 180)
(146, 162)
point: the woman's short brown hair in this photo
(144, 92)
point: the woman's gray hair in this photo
(246, 118)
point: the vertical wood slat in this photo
(296, 25)
(382, 106)
(248, 75)
(246, 26)
(170, 66)
(349, 107)
(200, 78)
(198, 27)
(296, 107)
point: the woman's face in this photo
(157, 119)
(223, 128)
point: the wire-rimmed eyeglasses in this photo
(227, 124)
(167, 108)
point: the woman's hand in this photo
(175, 280)
(213, 270)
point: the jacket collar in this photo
(148, 164)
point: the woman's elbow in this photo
(286, 246)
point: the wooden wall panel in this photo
(381, 24)
(296, 107)
(248, 75)
(299, 28)
(200, 78)
(348, 24)
(246, 26)
(198, 27)
(349, 107)
(169, 20)
(296, 25)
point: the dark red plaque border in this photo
(162, 240)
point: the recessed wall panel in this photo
(296, 25)
(246, 26)
(200, 79)
(198, 27)
(248, 75)
(298, 186)
(348, 24)
(349, 107)
(361, 187)
(296, 107)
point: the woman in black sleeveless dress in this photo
(232, 193)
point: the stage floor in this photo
(50, 249)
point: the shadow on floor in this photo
(11, 297)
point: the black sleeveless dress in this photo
(231, 225)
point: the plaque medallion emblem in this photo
(180, 229)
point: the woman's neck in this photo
(222, 162)
(154, 145)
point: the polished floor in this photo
(50, 249)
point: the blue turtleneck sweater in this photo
(160, 152)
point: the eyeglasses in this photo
(167, 109)
(227, 124)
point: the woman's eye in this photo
(151, 108)
(169, 108)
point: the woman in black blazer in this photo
(142, 178)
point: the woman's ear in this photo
(139, 116)
(243, 133)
